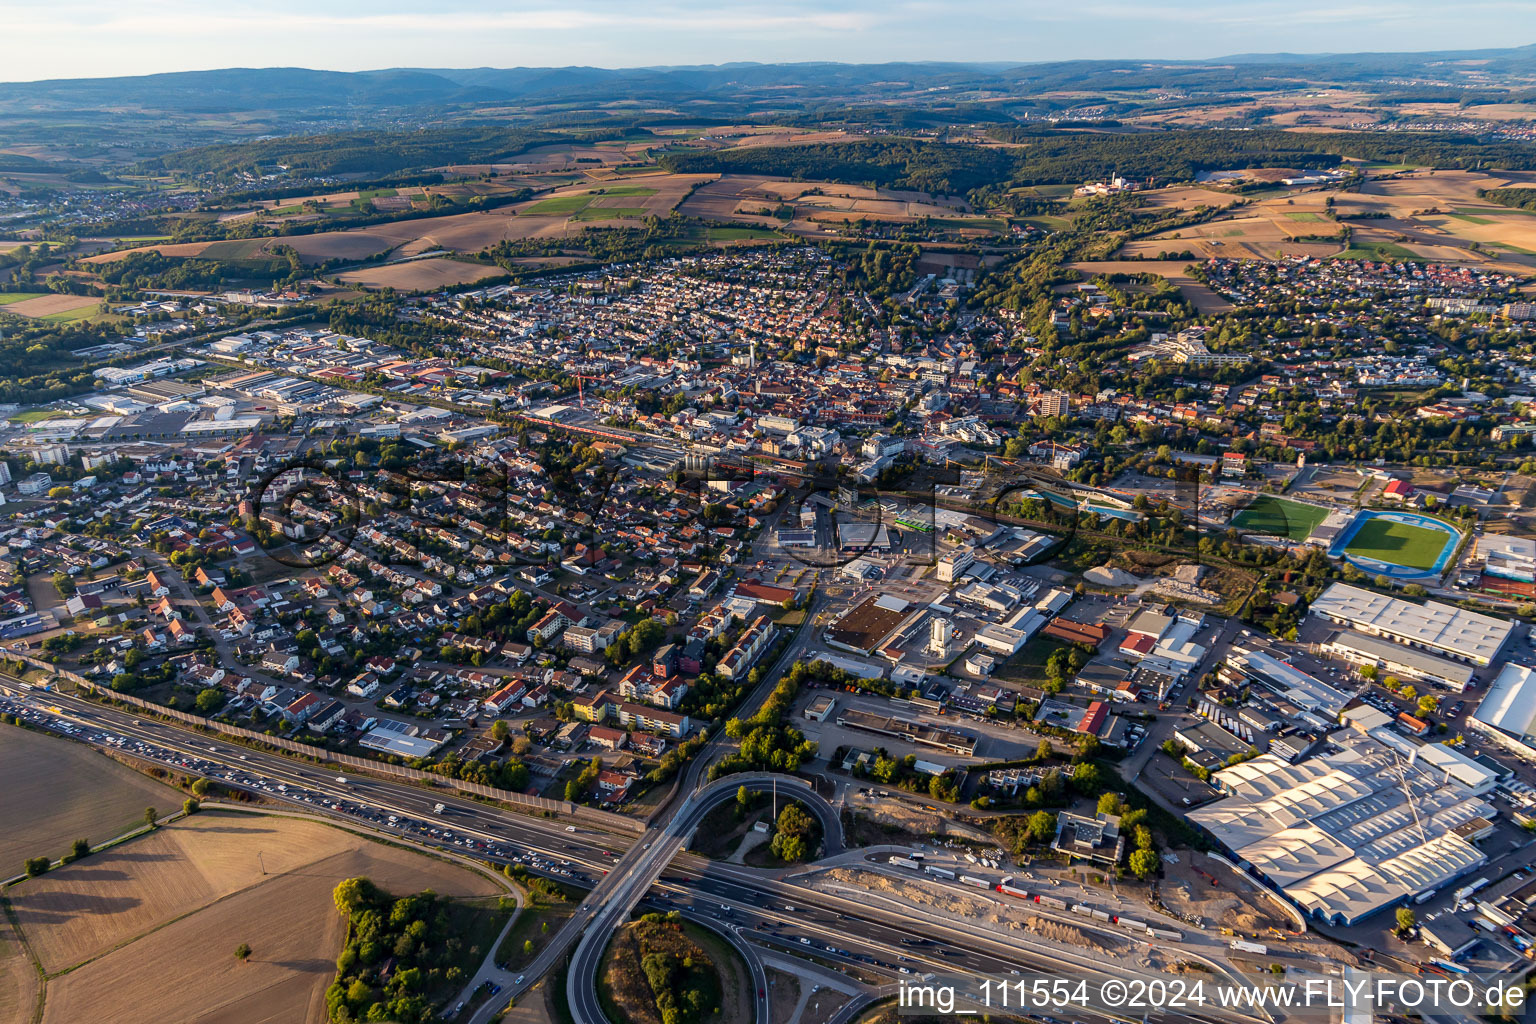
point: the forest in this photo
(363, 152)
(1069, 157)
(1519, 198)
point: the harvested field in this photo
(19, 983)
(750, 199)
(357, 244)
(1185, 197)
(1260, 230)
(52, 305)
(179, 249)
(421, 275)
(553, 216)
(58, 791)
(1175, 272)
(155, 922)
(86, 909)
(766, 137)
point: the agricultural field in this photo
(1175, 272)
(421, 275)
(1280, 518)
(183, 250)
(565, 158)
(1262, 229)
(1437, 215)
(1186, 197)
(1417, 547)
(155, 921)
(58, 791)
(560, 215)
(19, 983)
(817, 208)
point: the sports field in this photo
(1280, 518)
(1384, 540)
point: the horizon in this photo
(433, 68)
(347, 36)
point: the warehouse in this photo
(1338, 834)
(1508, 713)
(1397, 660)
(1434, 627)
(1303, 690)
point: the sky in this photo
(98, 38)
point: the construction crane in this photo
(581, 398)
(1401, 765)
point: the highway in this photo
(369, 799)
(747, 905)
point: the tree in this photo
(190, 805)
(792, 834)
(500, 730)
(1407, 920)
(150, 816)
(36, 866)
(1144, 863)
(208, 700)
(527, 947)
(352, 894)
(1041, 826)
(79, 848)
(242, 952)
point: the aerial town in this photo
(724, 582)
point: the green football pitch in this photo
(1398, 543)
(1279, 517)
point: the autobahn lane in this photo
(837, 928)
(275, 777)
(850, 931)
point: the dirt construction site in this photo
(977, 908)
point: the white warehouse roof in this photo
(1510, 705)
(1441, 627)
(1338, 834)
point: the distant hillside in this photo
(299, 89)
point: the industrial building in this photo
(1397, 660)
(1307, 692)
(1507, 714)
(1354, 830)
(1510, 558)
(1438, 628)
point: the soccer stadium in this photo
(1280, 517)
(1398, 545)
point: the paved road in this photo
(762, 909)
(656, 852)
